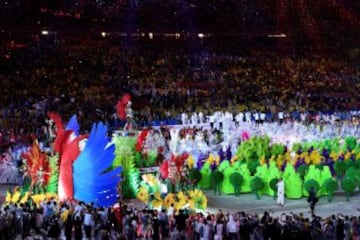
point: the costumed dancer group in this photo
(223, 121)
(323, 126)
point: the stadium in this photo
(179, 119)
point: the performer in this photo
(248, 117)
(281, 117)
(280, 192)
(129, 125)
(125, 112)
(184, 118)
(40, 176)
(212, 121)
(257, 117)
(312, 199)
(194, 119)
(262, 117)
(239, 118)
(201, 117)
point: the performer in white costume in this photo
(184, 118)
(129, 125)
(194, 119)
(280, 192)
(239, 118)
(200, 143)
(174, 141)
(248, 117)
(201, 117)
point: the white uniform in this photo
(184, 118)
(194, 119)
(256, 116)
(248, 117)
(281, 116)
(262, 117)
(239, 117)
(201, 117)
(280, 192)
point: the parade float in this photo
(80, 167)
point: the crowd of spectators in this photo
(79, 221)
(87, 79)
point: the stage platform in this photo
(249, 204)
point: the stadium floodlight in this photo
(281, 35)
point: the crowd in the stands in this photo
(80, 221)
(88, 79)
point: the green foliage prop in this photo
(350, 143)
(217, 178)
(354, 174)
(150, 159)
(340, 168)
(352, 164)
(319, 166)
(273, 186)
(277, 149)
(313, 174)
(348, 185)
(252, 166)
(296, 147)
(293, 183)
(325, 174)
(254, 149)
(52, 186)
(138, 159)
(330, 186)
(302, 170)
(227, 170)
(312, 183)
(245, 173)
(195, 176)
(205, 182)
(236, 180)
(124, 157)
(257, 184)
(266, 173)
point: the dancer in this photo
(280, 192)
(40, 176)
(312, 199)
(129, 125)
(184, 118)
